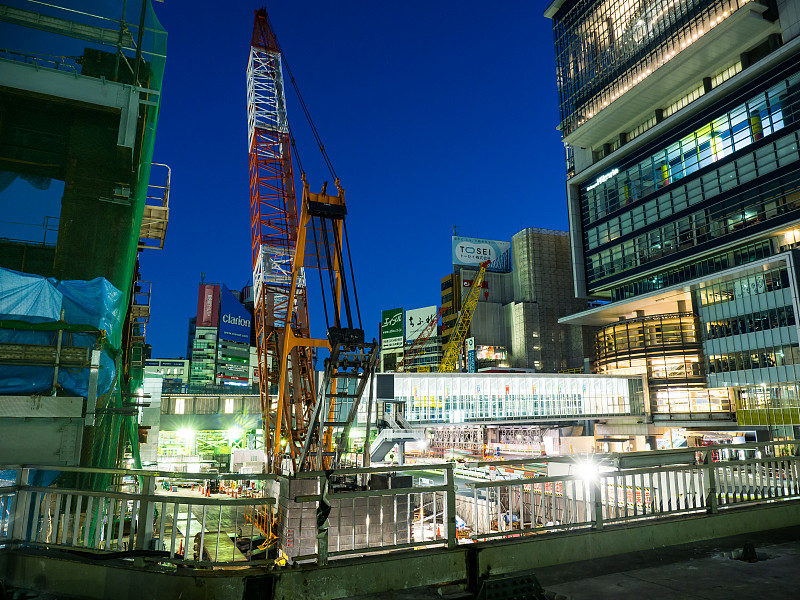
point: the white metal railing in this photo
(611, 489)
(347, 512)
(165, 527)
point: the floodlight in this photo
(587, 470)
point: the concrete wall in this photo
(789, 12)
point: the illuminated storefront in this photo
(666, 348)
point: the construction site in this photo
(357, 483)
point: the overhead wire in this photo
(302, 103)
(323, 227)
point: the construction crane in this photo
(419, 343)
(453, 347)
(305, 428)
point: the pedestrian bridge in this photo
(456, 398)
(367, 530)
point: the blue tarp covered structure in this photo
(30, 313)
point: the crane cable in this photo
(303, 106)
(328, 163)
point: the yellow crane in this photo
(451, 351)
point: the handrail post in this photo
(596, 500)
(323, 510)
(450, 507)
(17, 525)
(711, 477)
(144, 528)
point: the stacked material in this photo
(38, 312)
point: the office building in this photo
(680, 122)
(174, 372)
(220, 339)
(526, 289)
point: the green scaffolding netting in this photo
(112, 427)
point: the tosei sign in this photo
(234, 320)
(392, 328)
(471, 252)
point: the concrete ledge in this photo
(554, 549)
(68, 578)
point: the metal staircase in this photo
(398, 431)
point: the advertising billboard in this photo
(208, 305)
(234, 320)
(417, 319)
(471, 252)
(392, 328)
(491, 353)
(471, 355)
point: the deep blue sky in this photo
(434, 114)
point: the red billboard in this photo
(208, 306)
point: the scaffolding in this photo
(82, 90)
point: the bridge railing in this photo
(142, 524)
(619, 488)
(319, 516)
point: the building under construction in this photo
(80, 197)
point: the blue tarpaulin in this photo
(32, 299)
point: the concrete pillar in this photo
(96, 230)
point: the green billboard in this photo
(392, 328)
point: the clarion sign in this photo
(231, 320)
(235, 320)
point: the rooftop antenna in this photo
(455, 230)
(202, 277)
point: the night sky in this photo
(434, 114)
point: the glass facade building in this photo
(682, 123)
(697, 192)
(604, 48)
(500, 397)
(668, 349)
